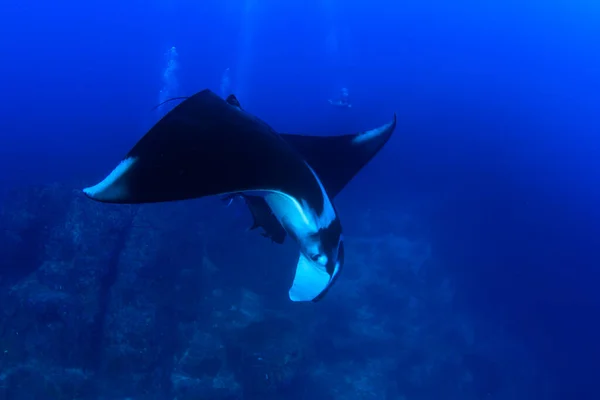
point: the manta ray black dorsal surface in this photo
(337, 159)
(205, 147)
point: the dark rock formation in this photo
(178, 301)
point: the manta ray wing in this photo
(205, 147)
(335, 160)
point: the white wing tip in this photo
(110, 189)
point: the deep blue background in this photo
(496, 150)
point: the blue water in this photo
(496, 153)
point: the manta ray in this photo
(209, 146)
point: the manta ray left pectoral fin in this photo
(337, 159)
(203, 147)
(113, 186)
(310, 281)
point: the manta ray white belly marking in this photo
(309, 281)
(297, 215)
(370, 134)
(309, 228)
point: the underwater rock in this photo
(204, 356)
(36, 381)
(139, 303)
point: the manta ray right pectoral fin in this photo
(337, 159)
(310, 280)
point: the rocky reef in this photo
(179, 301)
